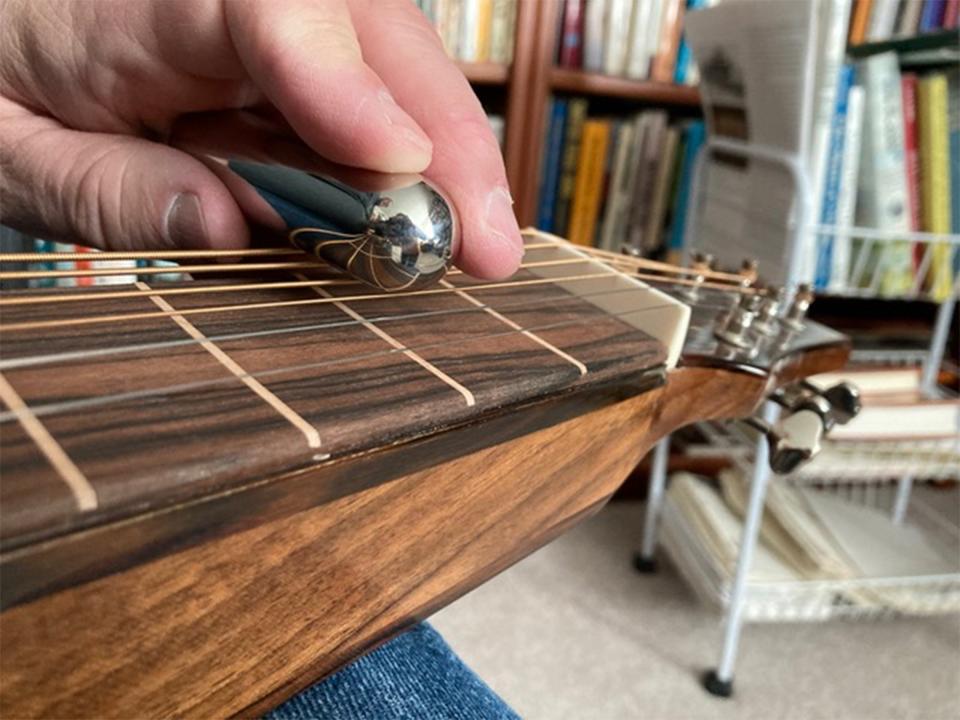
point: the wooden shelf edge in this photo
(486, 73)
(935, 40)
(585, 83)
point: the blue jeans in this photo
(415, 675)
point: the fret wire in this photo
(86, 295)
(124, 317)
(38, 360)
(86, 403)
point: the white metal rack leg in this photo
(645, 561)
(720, 681)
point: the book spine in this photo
(571, 43)
(908, 91)
(831, 186)
(638, 58)
(859, 21)
(885, 186)
(583, 217)
(671, 24)
(593, 27)
(846, 198)
(953, 120)
(65, 265)
(882, 19)
(646, 182)
(616, 36)
(450, 27)
(576, 113)
(910, 18)
(483, 30)
(551, 166)
(932, 15)
(84, 265)
(469, 21)
(46, 247)
(618, 191)
(935, 176)
(696, 133)
(653, 234)
(683, 50)
(950, 13)
(654, 33)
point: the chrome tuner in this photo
(767, 322)
(748, 272)
(735, 328)
(797, 311)
(703, 262)
(843, 398)
(395, 239)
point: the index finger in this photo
(405, 52)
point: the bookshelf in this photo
(584, 83)
(521, 91)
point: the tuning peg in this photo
(691, 293)
(735, 326)
(844, 400)
(793, 441)
(748, 271)
(797, 311)
(767, 321)
(702, 262)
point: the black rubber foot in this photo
(716, 686)
(644, 565)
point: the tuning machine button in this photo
(767, 322)
(794, 440)
(735, 326)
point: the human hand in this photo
(109, 110)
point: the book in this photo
(653, 232)
(65, 265)
(833, 172)
(589, 179)
(935, 177)
(931, 18)
(883, 384)
(653, 33)
(882, 19)
(650, 153)
(594, 19)
(84, 265)
(695, 134)
(950, 14)
(882, 198)
(502, 30)
(638, 58)
(550, 176)
(847, 195)
(909, 19)
(832, 17)
(684, 57)
(953, 120)
(664, 59)
(884, 421)
(469, 21)
(614, 220)
(859, 21)
(571, 39)
(908, 91)
(483, 30)
(576, 114)
(616, 36)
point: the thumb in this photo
(110, 191)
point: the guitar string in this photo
(53, 358)
(58, 408)
(20, 258)
(216, 309)
(87, 296)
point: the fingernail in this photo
(185, 226)
(500, 220)
(402, 123)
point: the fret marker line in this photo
(83, 492)
(510, 323)
(396, 344)
(309, 432)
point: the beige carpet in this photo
(572, 632)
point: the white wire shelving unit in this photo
(869, 275)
